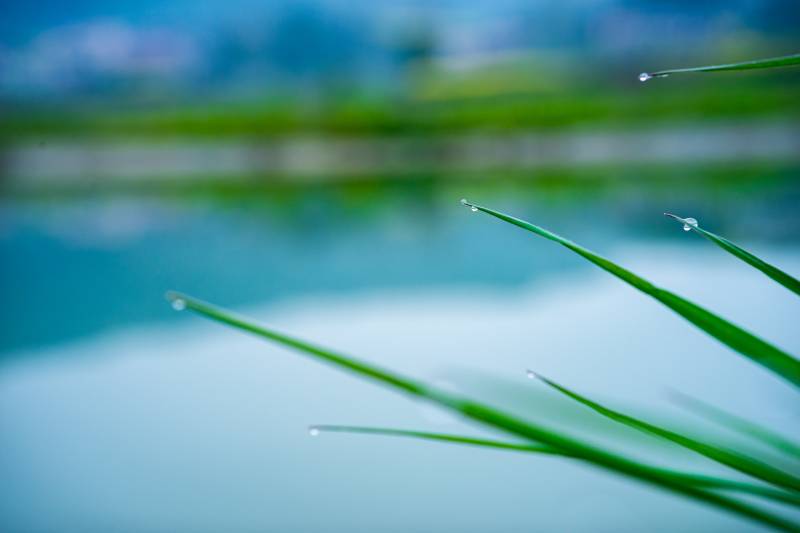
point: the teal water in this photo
(74, 267)
(118, 413)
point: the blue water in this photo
(74, 267)
(118, 413)
(72, 270)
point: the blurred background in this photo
(303, 162)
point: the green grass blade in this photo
(791, 283)
(745, 427)
(773, 62)
(442, 437)
(777, 495)
(756, 349)
(489, 416)
(698, 480)
(742, 463)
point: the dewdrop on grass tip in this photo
(465, 203)
(646, 76)
(688, 223)
(313, 431)
(177, 303)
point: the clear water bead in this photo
(689, 223)
(466, 203)
(644, 76)
(179, 304)
(531, 374)
(313, 431)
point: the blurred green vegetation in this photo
(635, 186)
(435, 101)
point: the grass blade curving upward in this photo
(698, 480)
(773, 62)
(756, 349)
(773, 272)
(738, 424)
(489, 416)
(742, 463)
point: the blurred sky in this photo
(57, 49)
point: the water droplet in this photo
(313, 431)
(465, 203)
(531, 374)
(644, 76)
(178, 304)
(689, 223)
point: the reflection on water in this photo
(72, 268)
(118, 413)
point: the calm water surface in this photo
(118, 413)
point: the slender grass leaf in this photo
(739, 424)
(791, 283)
(489, 416)
(777, 495)
(756, 349)
(773, 62)
(699, 480)
(737, 461)
(443, 437)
